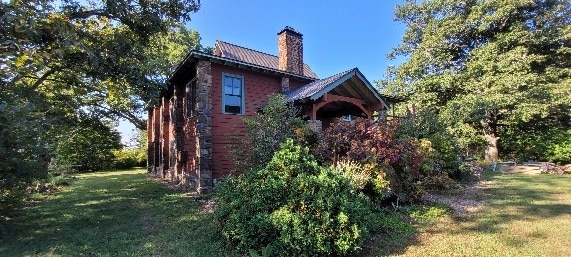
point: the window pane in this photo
(233, 100)
(237, 83)
(233, 94)
(228, 90)
(232, 109)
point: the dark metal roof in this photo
(247, 55)
(313, 88)
(182, 74)
(351, 83)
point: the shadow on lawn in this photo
(517, 197)
(111, 214)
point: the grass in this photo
(126, 214)
(112, 214)
(523, 215)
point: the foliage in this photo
(21, 150)
(439, 182)
(106, 56)
(86, 146)
(265, 132)
(129, 158)
(295, 207)
(488, 66)
(441, 148)
(70, 67)
(133, 155)
(389, 159)
(470, 171)
(541, 141)
(357, 175)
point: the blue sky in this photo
(337, 35)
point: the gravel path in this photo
(468, 199)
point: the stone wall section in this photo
(204, 125)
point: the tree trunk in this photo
(491, 154)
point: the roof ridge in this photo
(339, 73)
(246, 48)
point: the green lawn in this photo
(126, 214)
(523, 215)
(112, 214)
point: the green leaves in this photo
(488, 64)
(295, 207)
(74, 48)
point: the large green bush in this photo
(295, 207)
(21, 149)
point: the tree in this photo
(107, 57)
(68, 68)
(489, 66)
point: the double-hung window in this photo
(233, 94)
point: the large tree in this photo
(487, 66)
(68, 68)
(105, 57)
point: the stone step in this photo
(520, 169)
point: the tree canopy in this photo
(494, 69)
(105, 57)
(70, 68)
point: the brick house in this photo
(208, 94)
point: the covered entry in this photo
(345, 95)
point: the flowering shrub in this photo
(397, 161)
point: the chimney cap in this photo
(290, 29)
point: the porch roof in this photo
(350, 83)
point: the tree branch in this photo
(45, 77)
(95, 12)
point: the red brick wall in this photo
(258, 87)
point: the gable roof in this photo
(247, 55)
(350, 82)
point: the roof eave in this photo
(199, 54)
(370, 87)
(339, 81)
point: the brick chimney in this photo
(290, 50)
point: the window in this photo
(190, 98)
(233, 94)
(348, 118)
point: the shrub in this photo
(129, 158)
(376, 145)
(470, 171)
(441, 147)
(294, 207)
(560, 150)
(265, 132)
(358, 175)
